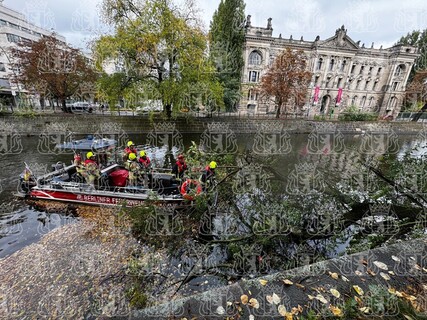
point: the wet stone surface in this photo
(77, 271)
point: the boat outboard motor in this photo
(57, 166)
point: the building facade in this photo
(345, 73)
(14, 28)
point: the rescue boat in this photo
(111, 188)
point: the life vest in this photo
(145, 162)
(181, 166)
(190, 188)
(130, 150)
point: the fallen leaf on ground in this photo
(321, 298)
(288, 282)
(335, 293)
(395, 258)
(381, 265)
(336, 311)
(282, 310)
(364, 309)
(276, 299)
(263, 282)
(359, 290)
(244, 298)
(345, 279)
(385, 276)
(334, 275)
(254, 303)
(220, 310)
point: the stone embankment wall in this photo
(89, 124)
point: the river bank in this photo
(108, 124)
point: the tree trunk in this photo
(278, 111)
(168, 110)
(64, 105)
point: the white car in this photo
(80, 107)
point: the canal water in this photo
(288, 155)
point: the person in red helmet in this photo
(179, 167)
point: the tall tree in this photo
(417, 39)
(227, 36)
(52, 68)
(161, 47)
(287, 79)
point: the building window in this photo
(13, 38)
(316, 80)
(319, 64)
(370, 70)
(252, 95)
(399, 70)
(339, 82)
(361, 69)
(392, 103)
(379, 71)
(374, 87)
(358, 84)
(353, 67)
(354, 101)
(253, 76)
(395, 86)
(366, 85)
(371, 100)
(343, 64)
(2, 22)
(15, 26)
(2, 67)
(255, 58)
(331, 64)
(362, 103)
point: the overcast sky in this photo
(380, 21)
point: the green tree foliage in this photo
(417, 39)
(227, 35)
(52, 69)
(161, 47)
(286, 80)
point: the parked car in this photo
(80, 107)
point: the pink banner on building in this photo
(316, 94)
(339, 95)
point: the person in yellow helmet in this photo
(208, 176)
(130, 148)
(133, 167)
(90, 170)
(144, 160)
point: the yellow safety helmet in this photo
(132, 156)
(212, 165)
(142, 153)
(130, 143)
(89, 155)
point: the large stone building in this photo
(345, 72)
(13, 29)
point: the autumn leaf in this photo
(336, 311)
(244, 298)
(263, 282)
(345, 279)
(395, 258)
(321, 298)
(358, 289)
(276, 299)
(365, 309)
(254, 303)
(220, 310)
(282, 310)
(288, 282)
(385, 276)
(335, 293)
(334, 275)
(381, 265)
